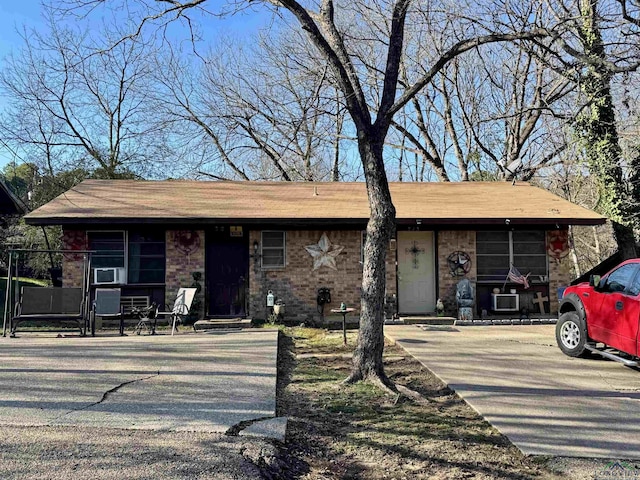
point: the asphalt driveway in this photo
(544, 401)
(196, 383)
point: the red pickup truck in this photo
(603, 316)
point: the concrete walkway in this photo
(199, 383)
(518, 380)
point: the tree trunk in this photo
(597, 127)
(596, 244)
(574, 256)
(367, 358)
(626, 240)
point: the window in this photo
(634, 288)
(497, 251)
(273, 249)
(109, 249)
(142, 253)
(146, 257)
(621, 279)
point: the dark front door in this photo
(227, 259)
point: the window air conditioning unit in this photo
(104, 276)
(505, 302)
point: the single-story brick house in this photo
(293, 238)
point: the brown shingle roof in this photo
(112, 201)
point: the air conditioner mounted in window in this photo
(114, 275)
(505, 302)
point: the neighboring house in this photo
(247, 238)
(9, 203)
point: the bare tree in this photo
(494, 110)
(254, 111)
(85, 108)
(588, 245)
(598, 128)
(599, 43)
(367, 75)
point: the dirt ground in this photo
(358, 432)
(72, 453)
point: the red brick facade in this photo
(297, 283)
(182, 261)
(450, 241)
(72, 264)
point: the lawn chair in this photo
(181, 307)
(107, 305)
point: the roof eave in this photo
(66, 221)
(13, 201)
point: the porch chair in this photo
(181, 306)
(107, 305)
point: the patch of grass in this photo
(357, 431)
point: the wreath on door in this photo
(459, 263)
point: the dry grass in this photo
(358, 432)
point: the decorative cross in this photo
(540, 301)
(415, 251)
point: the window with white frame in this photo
(524, 249)
(273, 249)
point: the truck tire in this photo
(571, 335)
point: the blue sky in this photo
(18, 14)
(13, 15)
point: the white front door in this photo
(416, 273)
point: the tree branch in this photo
(394, 56)
(458, 49)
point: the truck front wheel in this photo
(571, 335)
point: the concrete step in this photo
(426, 320)
(506, 321)
(222, 323)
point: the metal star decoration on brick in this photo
(324, 253)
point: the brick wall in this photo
(180, 266)
(72, 264)
(449, 241)
(297, 283)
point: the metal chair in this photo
(147, 318)
(107, 305)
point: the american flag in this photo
(516, 277)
